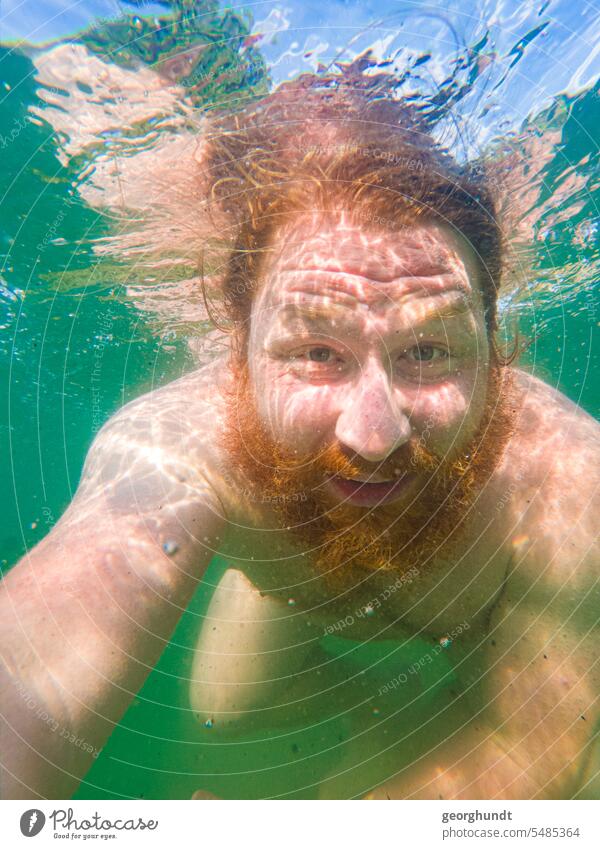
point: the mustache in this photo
(335, 461)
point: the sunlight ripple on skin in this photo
(369, 363)
(395, 303)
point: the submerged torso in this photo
(389, 658)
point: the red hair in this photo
(341, 141)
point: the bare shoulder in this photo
(549, 413)
(183, 402)
(550, 471)
(556, 442)
(161, 446)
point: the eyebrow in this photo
(458, 305)
(461, 303)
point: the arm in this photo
(86, 614)
(250, 658)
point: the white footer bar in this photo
(301, 824)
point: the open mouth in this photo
(365, 494)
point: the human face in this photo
(369, 340)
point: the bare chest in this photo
(432, 598)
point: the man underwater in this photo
(361, 454)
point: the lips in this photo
(364, 494)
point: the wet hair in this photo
(342, 141)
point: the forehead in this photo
(342, 263)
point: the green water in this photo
(75, 348)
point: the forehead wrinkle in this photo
(382, 266)
(354, 291)
(334, 273)
(403, 314)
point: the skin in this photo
(512, 710)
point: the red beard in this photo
(342, 538)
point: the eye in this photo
(320, 355)
(426, 353)
(319, 361)
(425, 361)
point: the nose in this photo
(372, 422)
